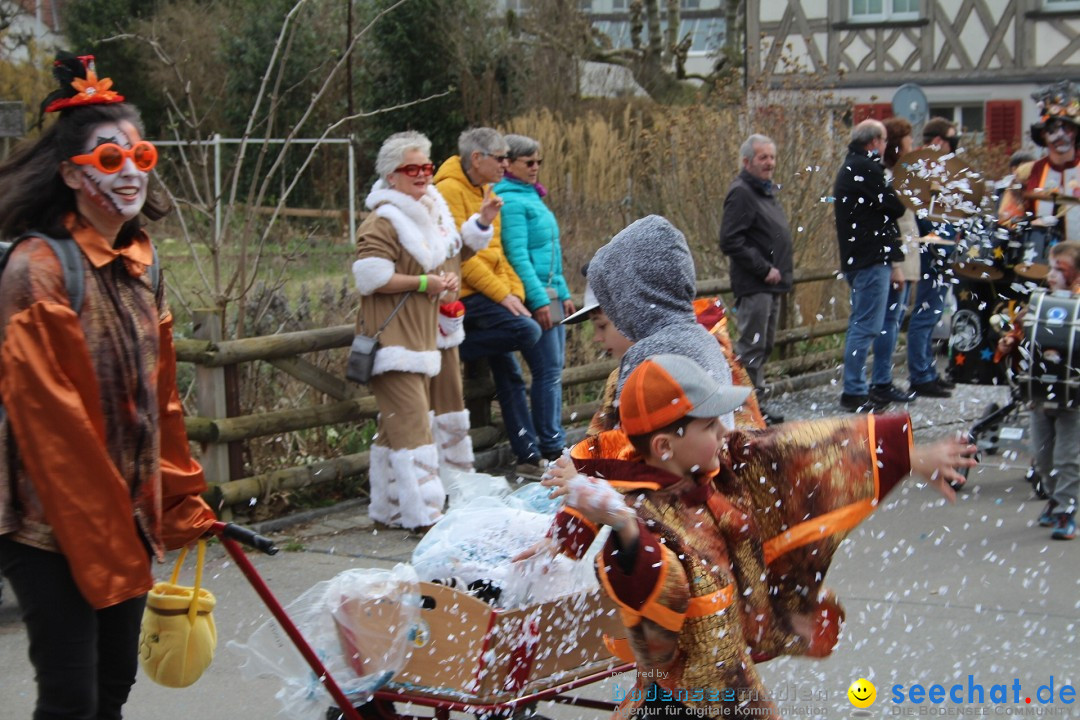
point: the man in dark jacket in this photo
(755, 236)
(866, 211)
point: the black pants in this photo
(84, 659)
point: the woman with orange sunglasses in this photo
(96, 479)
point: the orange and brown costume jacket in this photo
(693, 598)
(97, 464)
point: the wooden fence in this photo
(217, 425)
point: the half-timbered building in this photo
(978, 61)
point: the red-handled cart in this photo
(467, 655)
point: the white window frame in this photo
(886, 15)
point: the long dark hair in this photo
(33, 195)
(896, 129)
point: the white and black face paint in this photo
(120, 194)
(1060, 136)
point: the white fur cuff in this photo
(396, 358)
(372, 273)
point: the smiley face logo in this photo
(862, 693)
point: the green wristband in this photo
(422, 287)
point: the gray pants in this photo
(1055, 442)
(756, 317)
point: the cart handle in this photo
(245, 536)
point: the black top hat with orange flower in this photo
(1060, 101)
(79, 84)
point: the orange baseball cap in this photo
(666, 388)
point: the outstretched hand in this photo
(596, 500)
(938, 463)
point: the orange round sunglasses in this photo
(110, 157)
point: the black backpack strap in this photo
(71, 260)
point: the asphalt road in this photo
(934, 594)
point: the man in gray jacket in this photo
(755, 235)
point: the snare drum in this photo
(1050, 365)
(1035, 242)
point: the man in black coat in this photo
(755, 235)
(866, 210)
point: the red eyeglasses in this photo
(415, 170)
(110, 157)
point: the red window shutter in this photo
(1003, 122)
(871, 111)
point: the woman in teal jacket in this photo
(530, 237)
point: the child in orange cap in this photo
(693, 557)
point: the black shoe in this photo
(930, 389)
(861, 403)
(890, 394)
(947, 384)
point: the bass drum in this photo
(1049, 369)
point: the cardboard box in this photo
(469, 651)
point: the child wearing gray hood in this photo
(645, 281)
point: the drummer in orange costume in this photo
(1048, 190)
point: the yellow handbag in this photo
(178, 636)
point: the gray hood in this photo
(644, 280)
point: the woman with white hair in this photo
(402, 248)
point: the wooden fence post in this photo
(210, 394)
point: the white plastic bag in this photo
(463, 487)
(474, 545)
(360, 624)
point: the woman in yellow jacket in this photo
(497, 322)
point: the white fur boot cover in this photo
(451, 433)
(384, 507)
(421, 495)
